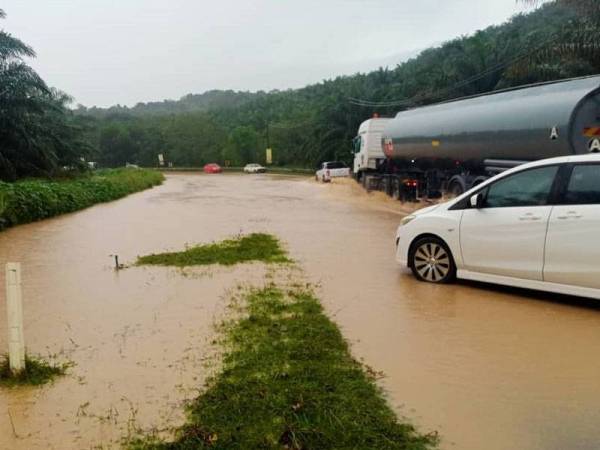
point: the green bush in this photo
(31, 200)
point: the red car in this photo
(212, 168)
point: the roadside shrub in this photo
(31, 200)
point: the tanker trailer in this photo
(453, 146)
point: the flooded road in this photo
(487, 368)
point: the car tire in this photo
(431, 261)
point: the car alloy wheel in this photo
(432, 261)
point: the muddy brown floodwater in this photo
(488, 368)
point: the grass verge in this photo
(290, 382)
(37, 372)
(31, 200)
(253, 247)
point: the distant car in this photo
(332, 169)
(534, 226)
(212, 168)
(254, 168)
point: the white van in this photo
(535, 226)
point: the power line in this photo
(289, 127)
(472, 79)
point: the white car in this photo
(332, 169)
(535, 226)
(254, 168)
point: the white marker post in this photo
(14, 308)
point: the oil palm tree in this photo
(579, 40)
(26, 107)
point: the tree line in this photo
(40, 135)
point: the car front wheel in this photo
(431, 261)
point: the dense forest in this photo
(39, 135)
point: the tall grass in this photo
(31, 200)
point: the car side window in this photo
(528, 188)
(584, 185)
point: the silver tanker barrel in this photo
(521, 124)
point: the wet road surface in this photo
(488, 368)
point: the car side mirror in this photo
(476, 201)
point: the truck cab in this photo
(367, 146)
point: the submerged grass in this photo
(254, 247)
(37, 372)
(289, 382)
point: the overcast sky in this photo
(105, 52)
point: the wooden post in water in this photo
(14, 309)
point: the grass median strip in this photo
(288, 379)
(289, 382)
(253, 247)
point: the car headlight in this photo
(407, 219)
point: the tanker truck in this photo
(449, 147)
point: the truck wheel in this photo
(386, 185)
(430, 260)
(455, 189)
(478, 181)
(396, 189)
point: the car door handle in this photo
(570, 215)
(530, 216)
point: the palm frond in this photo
(18, 79)
(11, 47)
